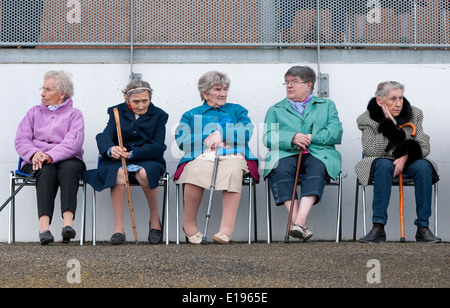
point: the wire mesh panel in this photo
(196, 22)
(238, 23)
(76, 22)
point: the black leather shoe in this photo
(46, 238)
(118, 238)
(154, 236)
(68, 232)
(427, 237)
(374, 237)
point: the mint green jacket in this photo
(320, 118)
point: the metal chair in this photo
(163, 181)
(246, 181)
(407, 181)
(16, 179)
(329, 182)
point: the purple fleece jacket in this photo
(59, 134)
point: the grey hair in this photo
(384, 87)
(137, 86)
(211, 79)
(63, 82)
(305, 73)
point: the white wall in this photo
(256, 87)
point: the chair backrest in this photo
(18, 172)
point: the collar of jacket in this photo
(287, 105)
(68, 103)
(205, 107)
(376, 113)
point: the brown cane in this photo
(127, 183)
(294, 190)
(400, 186)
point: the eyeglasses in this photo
(293, 83)
(46, 90)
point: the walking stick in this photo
(28, 178)
(211, 192)
(294, 190)
(125, 171)
(400, 187)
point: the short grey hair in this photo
(211, 79)
(63, 82)
(384, 87)
(305, 73)
(137, 86)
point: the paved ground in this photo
(238, 265)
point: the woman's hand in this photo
(118, 153)
(301, 141)
(214, 140)
(399, 164)
(387, 114)
(39, 159)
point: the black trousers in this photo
(66, 175)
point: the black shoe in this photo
(118, 238)
(374, 237)
(68, 233)
(427, 237)
(154, 236)
(46, 238)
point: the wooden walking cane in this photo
(400, 187)
(127, 183)
(294, 190)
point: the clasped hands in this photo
(39, 159)
(214, 140)
(301, 141)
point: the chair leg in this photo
(436, 191)
(268, 213)
(255, 217)
(11, 214)
(177, 210)
(166, 206)
(250, 197)
(339, 211)
(83, 215)
(355, 217)
(94, 211)
(364, 210)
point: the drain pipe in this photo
(323, 79)
(133, 76)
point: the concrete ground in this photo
(314, 264)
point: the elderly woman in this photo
(301, 122)
(389, 150)
(214, 124)
(143, 132)
(49, 139)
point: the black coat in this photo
(144, 136)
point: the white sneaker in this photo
(300, 232)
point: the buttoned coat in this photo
(320, 118)
(381, 138)
(144, 136)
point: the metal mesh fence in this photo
(224, 23)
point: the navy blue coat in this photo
(144, 136)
